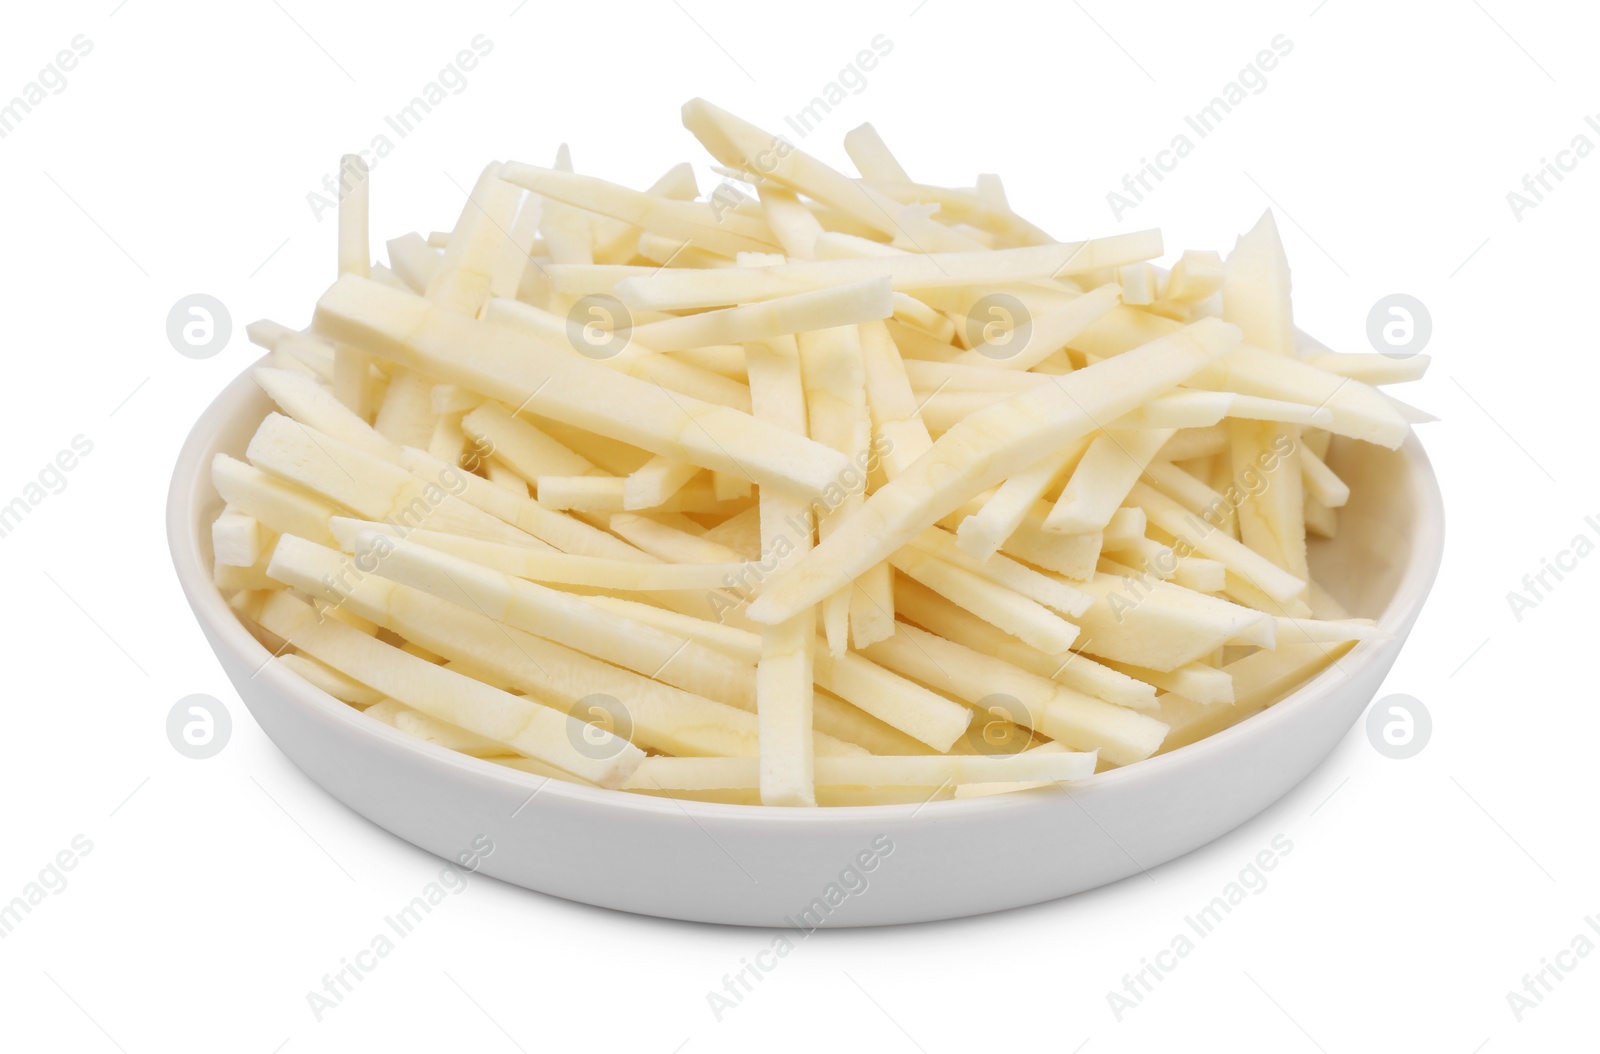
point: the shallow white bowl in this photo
(761, 866)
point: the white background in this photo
(217, 893)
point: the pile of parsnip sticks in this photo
(812, 489)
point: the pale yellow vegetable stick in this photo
(739, 144)
(523, 446)
(1320, 481)
(1144, 621)
(308, 402)
(1049, 590)
(526, 727)
(1259, 680)
(794, 225)
(1080, 721)
(1033, 339)
(656, 481)
(1266, 469)
(984, 450)
(1194, 680)
(871, 155)
(785, 701)
(278, 504)
(691, 223)
(820, 309)
(1255, 288)
(982, 534)
(562, 617)
(1025, 619)
(938, 615)
(899, 435)
(675, 289)
(1102, 479)
(345, 689)
(352, 380)
(631, 358)
(1202, 534)
(663, 717)
(526, 374)
(834, 374)
(370, 486)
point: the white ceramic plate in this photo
(847, 866)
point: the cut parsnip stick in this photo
(659, 479)
(938, 615)
(413, 260)
(1200, 574)
(785, 702)
(336, 684)
(1259, 680)
(1070, 717)
(903, 704)
(833, 372)
(1201, 535)
(1255, 288)
(1103, 476)
(555, 529)
(352, 369)
(1126, 526)
(451, 737)
(373, 488)
(1029, 341)
(1328, 631)
(1371, 367)
(696, 224)
(668, 543)
(1266, 463)
(732, 640)
(1191, 443)
(466, 273)
(982, 451)
(528, 375)
(278, 504)
(871, 155)
(308, 402)
(1320, 519)
(524, 447)
(1147, 622)
(525, 727)
(563, 618)
(820, 309)
(1194, 495)
(1027, 620)
(632, 359)
(1320, 481)
(928, 376)
(982, 534)
(899, 434)
(581, 493)
(238, 539)
(1072, 555)
(984, 790)
(680, 290)
(1005, 572)
(930, 770)
(561, 568)
(792, 223)
(663, 717)
(740, 144)
(1197, 681)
